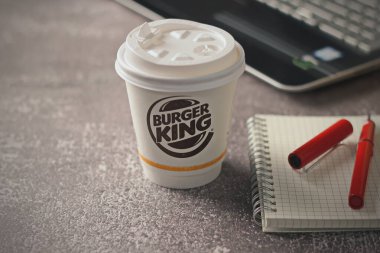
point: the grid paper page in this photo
(319, 199)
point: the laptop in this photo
(294, 45)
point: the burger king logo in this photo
(180, 126)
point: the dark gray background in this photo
(70, 179)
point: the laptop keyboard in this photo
(354, 22)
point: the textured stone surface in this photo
(70, 180)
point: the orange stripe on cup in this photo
(188, 168)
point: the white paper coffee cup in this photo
(181, 78)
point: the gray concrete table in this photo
(70, 179)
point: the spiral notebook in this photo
(286, 201)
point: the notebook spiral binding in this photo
(263, 197)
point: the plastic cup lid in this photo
(179, 55)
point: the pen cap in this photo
(368, 131)
(321, 143)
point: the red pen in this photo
(318, 145)
(363, 157)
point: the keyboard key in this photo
(371, 3)
(368, 35)
(294, 2)
(365, 47)
(272, 3)
(304, 12)
(355, 6)
(336, 9)
(370, 13)
(369, 23)
(284, 8)
(355, 17)
(320, 13)
(351, 41)
(340, 22)
(331, 30)
(311, 22)
(341, 2)
(316, 2)
(296, 16)
(353, 28)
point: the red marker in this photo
(363, 158)
(320, 144)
